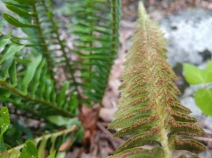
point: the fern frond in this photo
(95, 26)
(33, 22)
(52, 37)
(39, 42)
(25, 83)
(148, 109)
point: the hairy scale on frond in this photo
(148, 109)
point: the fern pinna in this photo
(148, 109)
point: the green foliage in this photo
(29, 150)
(4, 124)
(32, 63)
(202, 96)
(37, 147)
(95, 43)
(194, 75)
(148, 110)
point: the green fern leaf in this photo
(29, 150)
(148, 109)
(9, 52)
(26, 2)
(15, 22)
(52, 155)
(30, 72)
(18, 11)
(4, 40)
(4, 122)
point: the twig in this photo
(207, 131)
(103, 129)
(64, 19)
(203, 139)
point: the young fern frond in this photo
(148, 109)
(95, 25)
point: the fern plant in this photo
(148, 109)
(31, 63)
(29, 149)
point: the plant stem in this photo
(18, 92)
(47, 136)
(114, 7)
(62, 47)
(45, 47)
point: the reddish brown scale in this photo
(172, 98)
(190, 126)
(172, 121)
(176, 90)
(160, 93)
(160, 82)
(138, 92)
(167, 70)
(150, 119)
(183, 142)
(140, 101)
(179, 106)
(139, 78)
(150, 133)
(129, 115)
(169, 99)
(149, 107)
(130, 152)
(123, 117)
(180, 115)
(138, 84)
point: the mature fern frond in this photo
(27, 62)
(148, 109)
(95, 26)
(25, 83)
(37, 21)
(29, 20)
(55, 44)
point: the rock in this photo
(190, 103)
(208, 122)
(189, 34)
(3, 7)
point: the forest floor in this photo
(99, 141)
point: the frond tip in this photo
(148, 109)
